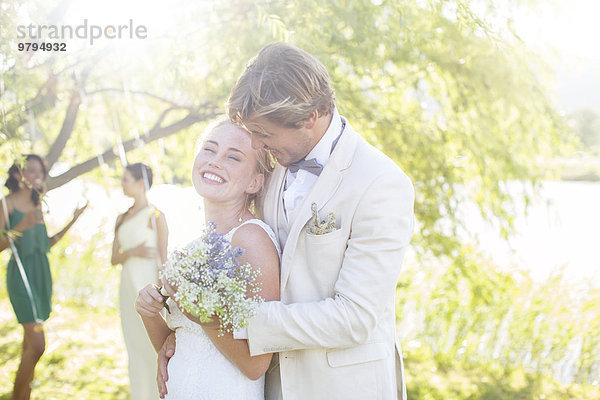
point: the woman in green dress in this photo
(27, 229)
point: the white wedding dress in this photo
(198, 370)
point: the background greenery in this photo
(454, 98)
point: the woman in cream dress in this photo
(140, 245)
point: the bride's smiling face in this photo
(226, 166)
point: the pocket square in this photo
(320, 227)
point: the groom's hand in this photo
(164, 355)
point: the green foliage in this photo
(587, 128)
(470, 331)
(466, 313)
(451, 98)
(459, 104)
(82, 273)
(427, 381)
(85, 355)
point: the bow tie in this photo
(311, 166)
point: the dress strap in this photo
(6, 213)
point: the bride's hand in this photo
(170, 289)
(149, 302)
(215, 324)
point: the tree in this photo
(452, 95)
(458, 103)
(587, 127)
(64, 83)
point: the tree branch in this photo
(66, 130)
(161, 118)
(72, 110)
(144, 93)
(110, 155)
(44, 100)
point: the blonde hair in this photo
(264, 161)
(282, 83)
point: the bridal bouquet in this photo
(211, 281)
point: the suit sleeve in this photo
(380, 233)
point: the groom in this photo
(335, 326)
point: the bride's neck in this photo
(225, 216)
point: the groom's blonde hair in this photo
(282, 83)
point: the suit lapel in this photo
(321, 193)
(273, 198)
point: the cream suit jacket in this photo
(335, 326)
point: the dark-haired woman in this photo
(25, 224)
(140, 245)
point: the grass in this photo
(427, 381)
(86, 359)
(85, 356)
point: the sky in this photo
(567, 31)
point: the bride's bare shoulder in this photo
(253, 236)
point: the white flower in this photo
(210, 281)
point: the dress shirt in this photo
(298, 184)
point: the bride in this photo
(229, 174)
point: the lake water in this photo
(561, 230)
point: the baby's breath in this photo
(211, 281)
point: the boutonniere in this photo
(320, 227)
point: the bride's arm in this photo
(260, 252)
(148, 304)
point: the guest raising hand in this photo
(28, 276)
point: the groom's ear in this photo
(255, 184)
(310, 122)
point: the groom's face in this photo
(287, 145)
